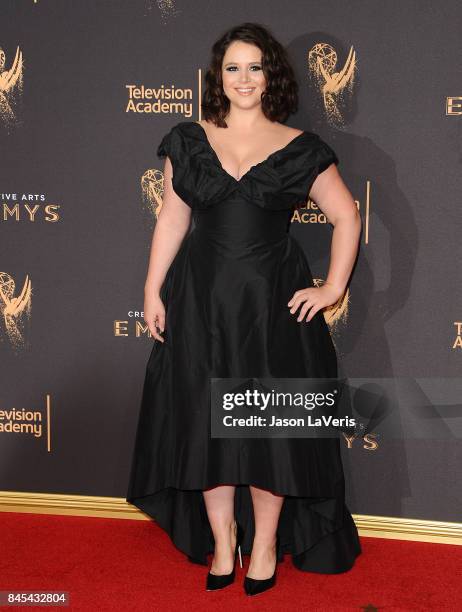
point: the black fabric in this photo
(226, 296)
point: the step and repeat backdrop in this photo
(88, 89)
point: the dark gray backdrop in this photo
(75, 143)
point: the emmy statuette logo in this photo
(333, 84)
(152, 189)
(11, 84)
(14, 307)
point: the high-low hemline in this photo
(318, 533)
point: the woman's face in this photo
(242, 74)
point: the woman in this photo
(235, 298)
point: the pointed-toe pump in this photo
(254, 586)
(220, 581)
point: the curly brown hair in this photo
(280, 98)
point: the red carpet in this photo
(111, 564)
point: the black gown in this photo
(226, 296)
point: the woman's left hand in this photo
(313, 299)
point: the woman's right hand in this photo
(154, 315)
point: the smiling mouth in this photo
(245, 91)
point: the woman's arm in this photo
(171, 227)
(332, 196)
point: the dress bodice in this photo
(280, 182)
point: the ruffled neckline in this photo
(275, 155)
(280, 181)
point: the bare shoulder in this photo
(287, 131)
(208, 124)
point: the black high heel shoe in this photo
(221, 581)
(253, 586)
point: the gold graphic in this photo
(18, 211)
(458, 340)
(337, 312)
(12, 307)
(152, 188)
(11, 83)
(28, 422)
(370, 439)
(133, 325)
(311, 213)
(166, 8)
(155, 100)
(454, 105)
(322, 61)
